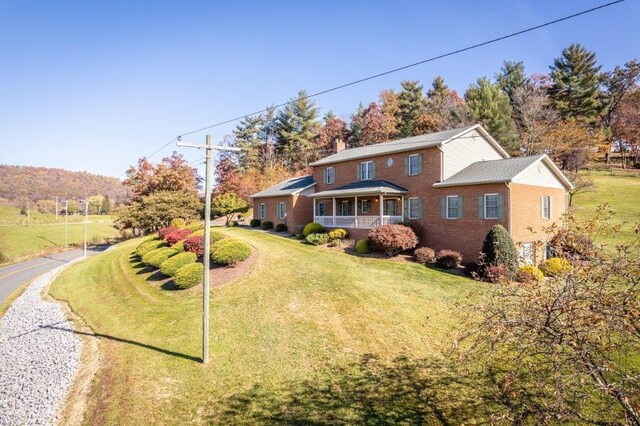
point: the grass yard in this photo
(310, 335)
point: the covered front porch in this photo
(362, 205)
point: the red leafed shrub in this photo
(163, 232)
(178, 235)
(195, 245)
(392, 239)
(424, 255)
(448, 259)
(497, 274)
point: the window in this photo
(546, 207)
(389, 208)
(282, 210)
(344, 208)
(453, 207)
(329, 175)
(491, 209)
(321, 208)
(365, 206)
(263, 211)
(526, 254)
(414, 208)
(415, 164)
(366, 170)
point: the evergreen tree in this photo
(511, 77)
(355, 127)
(105, 208)
(489, 106)
(446, 107)
(576, 84)
(297, 126)
(247, 137)
(498, 249)
(411, 104)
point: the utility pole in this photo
(86, 220)
(66, 223)
(207, 237)
(28, 210)
(56, 209)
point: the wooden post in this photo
(334, 211)
(356, 211)
(314, 209)
(381, 210)
(207, 242)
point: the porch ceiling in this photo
(364, 187)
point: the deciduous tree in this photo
(227, 205)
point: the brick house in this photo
(457, 183)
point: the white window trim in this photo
(329, 181)
(546, 213)
(263, 211)
(409, 208)
(369, 170)
(324, 208)
(281, 210)
(486, 216)
(417, 172)
(447, 207)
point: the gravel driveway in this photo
(39, 357)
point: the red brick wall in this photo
(299, 210)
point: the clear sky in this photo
(94, 85)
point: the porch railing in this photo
(364, 222)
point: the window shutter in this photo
(500, 206)
(443, 207)
(481, 206)
(460, 206)
(326, 174)
(406, 207)
(420, 208)
(406, 165)
(358, 171)
(419, 163)
(550, 215)
(542, 207)
(373, 170)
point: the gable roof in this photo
(291, 186)
(498, 171)
(363, 187)
(408, 144)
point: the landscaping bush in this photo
(338, 234)
(163, 232)
(179, 247)
(152, 237)
(195, 245)
(555, 266)
(528, 274)
(567, 243)
(214, 234)
(145, 248)
(161, 256)
(300, 236)
(334, 242)
(448, 259)
(313, 228)
(473, 270)
(498, 249)
(317, 239)
(416, 227)
(194, 226)
(230, 252)
(232, 224)
(497, 274)
(188, 275)
(424, 255)
(254, 223)
(148, 257)
(281, 227)
(178, 235)
(170, 266)
(267, 224)
(178, 223)
(392, 239)
(362, 247)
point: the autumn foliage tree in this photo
(227, 205)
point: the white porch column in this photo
(356, 211)
(314, 209)
(402, 206)
(381, 211)
(334, 211)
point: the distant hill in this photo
(19, 183)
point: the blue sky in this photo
(94, 85)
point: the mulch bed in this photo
(222, 275)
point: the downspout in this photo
(441, 162)
(509, 206)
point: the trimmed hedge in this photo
(362, 247)
(313, 228)
(178, 222)
(195, 245)
(230, 252)
(152, 237)
(214, 234)
(179, 247)
(195, 226)
(498, 249)
(170, 266)
(555, 266)
(267, 224)
(392, 239)
(254, 223)
(161, 256)
(338, 234)
(448, 259)
(528, 274)
(145, 248)
(317, 239)
(188, 275)
(178, 235)
(281, 227)
(424, 255)
(149, 257)
(163, 232)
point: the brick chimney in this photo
(338, 145)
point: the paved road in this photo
(12, 277)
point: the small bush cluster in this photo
(554, 267)
(178, 223)
(163, 232)
(392, 239)
(195, 245)
(145, 248)
(281, 227)
(362, 247)
(567, 243)
(416, 227)
(188, 275)
(267, 225)
(194, 226)
(170, 266)
(424, 255)
(528, 274)
(179, 246)
(313, 228)
(254, 223)
(233, 224)
(213, 234)
(230, 252)
(317, 239)
(448, 259)
(497, 274)
(160, 257)
(178, 235)
(338, 234)
(152, 237)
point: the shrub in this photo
(178, 235)
(313, 228)
(424, 255)
(416, 227)
(362, 247)
(195, 245)
(555, 266)
(281, 227)
(570, 244)
(448, 259)
(267, 224)
(213, 234)
(179, 247)
(473, 270)
(528, 274)
(334, 242)
(232, 224)
(230, 252)
(188, 275)
(498, 249)
(392, 239)
(317, 239)
(147, 259)
(338, 234)
(145, 248)
(497, 274)
(300, 236)
(163, 232)
(194, 226)
(152, 237)
(178, 222)
(254, 223)
(161, 256)
(171, 265)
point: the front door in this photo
(389, 208)
(344, 208)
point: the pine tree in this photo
(246, 137)
(446, 106)
(411, 104)
(498, 249)
(105, 207)
(355, 127)
(489, 106)
(576, 84)
(297, 126)
(511, 77)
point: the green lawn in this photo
(310, 335)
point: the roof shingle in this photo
(503, 170)
(288, 187)
(363, 187)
